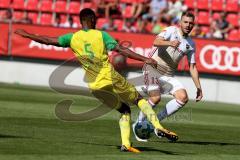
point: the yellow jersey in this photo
(90, 47)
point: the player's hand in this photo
(199, 95)
(174, 43)
(21, 32)
(151, 62)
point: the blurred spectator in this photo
(6, 16)
(57, 21)
(113, 9)
(144, 26)
(109, 25)
(26, 19)
(175, 9)
(156, 9)
(221, 27)
(70, 23)
(137, 9)
(158, 26)
(128, 26)
(197, 32)
(100, 6)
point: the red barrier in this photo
(212, 56)
(4, 39)
(215, 56)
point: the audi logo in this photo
(222, 58)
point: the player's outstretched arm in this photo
(130, 54)
(38, 38)
(194, 73)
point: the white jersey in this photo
(168, 57)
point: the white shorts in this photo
(155, 81)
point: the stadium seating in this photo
(17, 15)
(110, 0)
(63, 18)
(101, 22)
(233, 19)
(60, 6)
(203, 17)
(189, 3)
(127, 1)
(217, 5)
(206, 10)
(205, 29)
(232, 5)
(74, 7)
(46, 19)
(32, 5)
(87, 5)
(203, 4)
(5, 3)
(76, 20)
(46, 5)
(33, 16)
(233, 35)
(18, 4)
(127, 13)
(119, 24)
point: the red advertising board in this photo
(4, 39)
(212, 56)
(215, 56)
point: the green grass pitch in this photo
(29, 129)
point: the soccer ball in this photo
(144, 129)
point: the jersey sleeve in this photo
(166, 33)
(109, 42)
(191, 55)
(65, 40)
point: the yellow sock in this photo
(124, 124)
(149, 112)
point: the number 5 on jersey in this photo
(88, 50)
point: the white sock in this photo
(141, 115)
(170, 108)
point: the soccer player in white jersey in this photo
(169, 47)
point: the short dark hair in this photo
(188, 14)
(87, 14)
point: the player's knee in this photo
(155, 96)
(124, 108)
(155, 99)
(182, 99)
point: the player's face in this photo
(186, 24)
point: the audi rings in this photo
(217, 55)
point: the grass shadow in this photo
(144, 149)
(201, 143)
(11, 136)
(207, 143)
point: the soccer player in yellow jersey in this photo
(90, 47)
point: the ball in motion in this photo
(144, 129)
